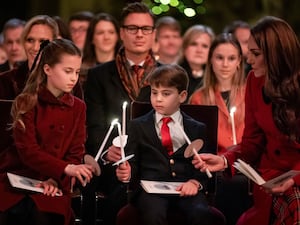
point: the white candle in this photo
(121, 140)
(194, 150)
(232, 111)
(113, 123)
(124, 118)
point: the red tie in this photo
(165, 135)
(136, 69)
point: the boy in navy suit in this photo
(152, 161)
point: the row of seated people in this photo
(23, 70)
(107, 73)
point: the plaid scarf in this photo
(132, 80)
(286, 208)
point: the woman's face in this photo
(37, 34)
(256, 58)
(197, 50)
(225, 61)
(105, 36)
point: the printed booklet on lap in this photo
(248, 171)
(25, 183)
(160, 187)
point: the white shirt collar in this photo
(131, 63)
(175, 117)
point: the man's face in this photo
(169, 41)
(137, 45)
(13, 45)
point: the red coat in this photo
(263, 144)
(225, 137)
(54, 137)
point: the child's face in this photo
(166, 100)
(63, 76)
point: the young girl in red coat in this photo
(49, 135)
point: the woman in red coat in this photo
(49, 135)
(271, 139)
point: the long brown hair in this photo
(210, 82)
(89, 54)
(51, 54)
(281, 49)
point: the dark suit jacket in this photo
(151, 161)
(104, 96)
(4, 67)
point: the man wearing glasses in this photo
(107, 87)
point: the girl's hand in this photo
(50, 187)
(189, 188)
(83, 172)
(123, 172)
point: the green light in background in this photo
(189, 12)
(181, 7)
(198, 1)
(165, 2)
(164, 8)
(174, 3)
(156, 10)
(201, 10)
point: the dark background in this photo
(218, 13)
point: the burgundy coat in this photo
(54, 137)
(264, 145)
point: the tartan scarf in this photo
(131, 80)
(286, 208)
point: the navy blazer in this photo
(152, 162)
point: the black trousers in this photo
(26, 213)
(153, 208)
(232, 197)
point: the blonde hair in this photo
(210, 82)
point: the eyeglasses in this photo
(132, 29)
(78, 30)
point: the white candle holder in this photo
(232, 111)
(191, 148)
(88, 159)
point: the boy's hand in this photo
(113, 154)
(189, 188)
(123, 172)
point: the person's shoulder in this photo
(107, 66)
(102, 71)
(4, 67)
(8, 74)
(149, 116)
(254, 79)
(79, 102)
(15, 73)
